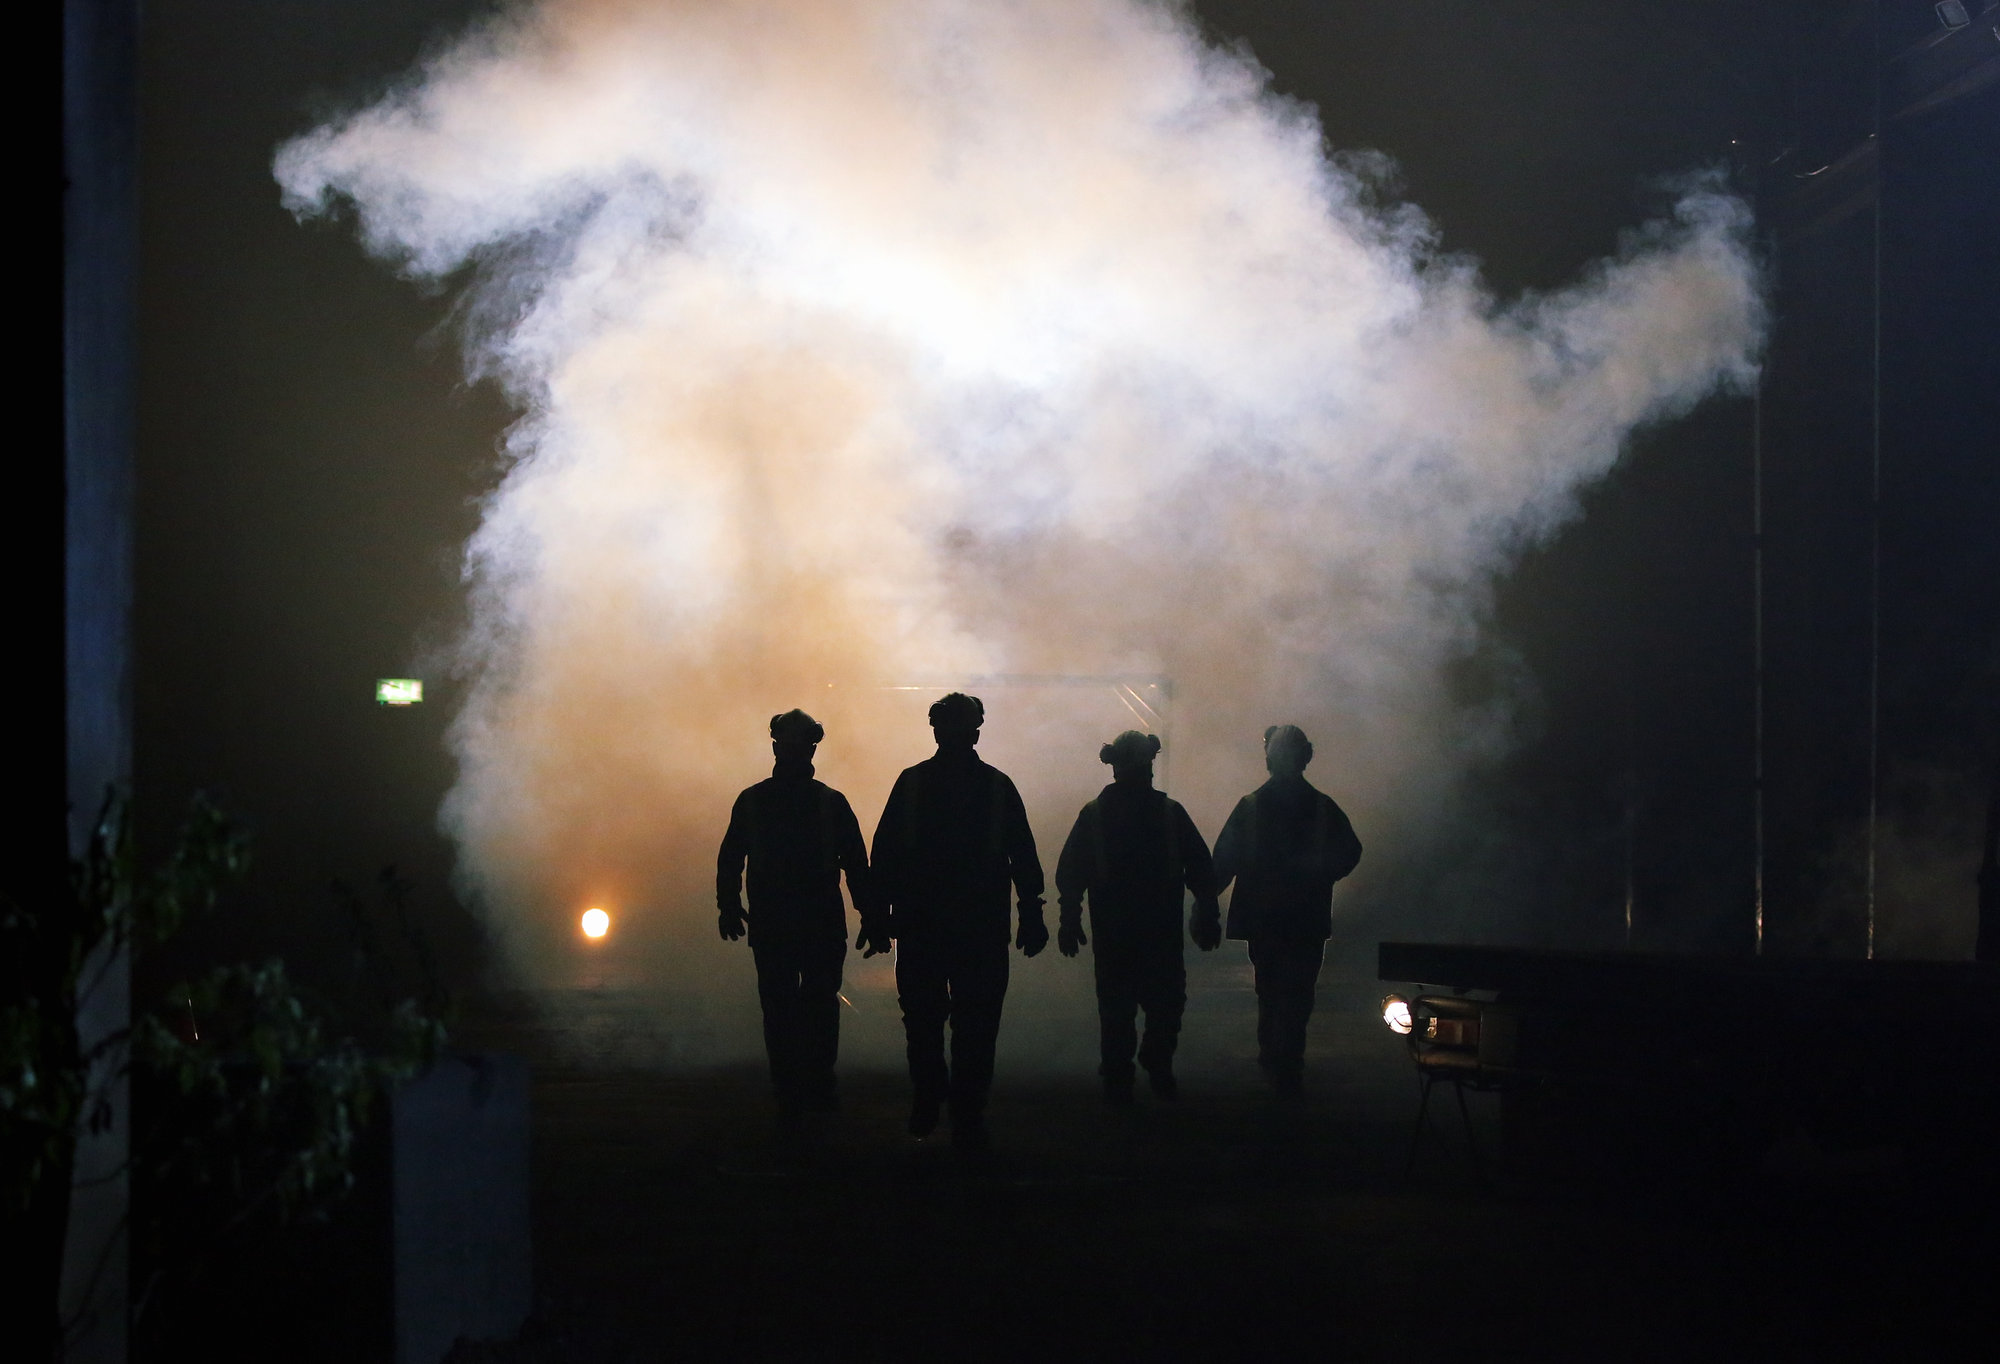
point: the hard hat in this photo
(958, 711)
(1282, 740)
(796, 727)
(1130, 749)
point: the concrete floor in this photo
(675, 1221)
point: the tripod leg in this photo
(1417, 1131)
(1471, 1144)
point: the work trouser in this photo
(939, 981)
(799, 987)
(1128, 980)
(1287, 973)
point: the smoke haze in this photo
(865, 343)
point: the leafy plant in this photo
(250, 1098)
(53, 1085)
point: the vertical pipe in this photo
(1986, 946)
(1757, 652)
(1631, 783)
(1631, 886)
(1875, 495)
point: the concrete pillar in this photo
(100, 159)
(460, 1206)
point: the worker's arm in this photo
(1198, 874)
(1024, 867)
(729, 916)
(1073, 869)
(1232, 847)
(1343, 848)
(851, 854)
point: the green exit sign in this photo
(399, 691)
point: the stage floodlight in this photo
(1396, 1013)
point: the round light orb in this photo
(596, 923)
(1396, 1013)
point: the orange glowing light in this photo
(596, 923)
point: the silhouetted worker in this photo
(798, 835)
(952, 837)
(1284, 846)
(1133, 851)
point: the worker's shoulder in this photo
(998, 778)
(827, 793)
(1326, 802)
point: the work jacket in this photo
(953, 837)
(1284, 846)
(798, 835)
(1133, 852)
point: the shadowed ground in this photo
(674, 1220)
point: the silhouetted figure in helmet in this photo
(798, 835)
(953, 836)
(1133, 852)
(1284, 846)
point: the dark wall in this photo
(1882, 489)
(308, 463)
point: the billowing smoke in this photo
(866, 342)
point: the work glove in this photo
(1033, 935)
(874, 938)
(729, 922)
(1069, 932)
(1205, 925)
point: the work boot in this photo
(1118, 1090)
(1164, 1084)
(924, 1114)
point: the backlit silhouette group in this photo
(952, 842)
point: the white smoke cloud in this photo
(862, 341)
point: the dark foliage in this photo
(250, 1096)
